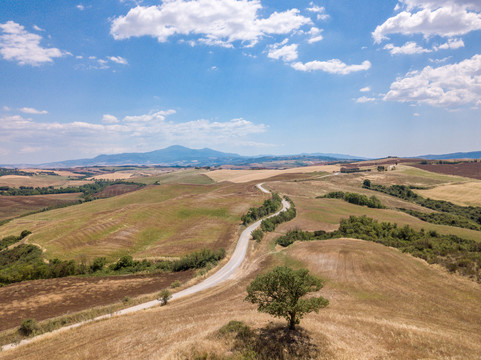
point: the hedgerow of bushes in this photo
(25, 262)
(270, 224)
(354, 198)
(460, 216)
(453, 252)
(10, 240)
(269, 206)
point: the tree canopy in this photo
(280, 294)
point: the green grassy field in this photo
(160, 220)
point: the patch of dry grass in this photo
(383, 304)
(465, 194)
(163, 220)
(242, 176)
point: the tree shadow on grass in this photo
(275, 341)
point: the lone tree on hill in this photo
(279, 293)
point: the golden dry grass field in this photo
(383, 304)
(242, 176)
(464, 194)
(159, 220)
(40, 180)
(12, 206)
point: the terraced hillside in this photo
(160, 220)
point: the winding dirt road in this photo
(220, 276)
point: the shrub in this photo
(164, 297)
(98, 264)
(257, 235)
(175, 284)
(28, 327)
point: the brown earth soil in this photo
(117, 189)
(467, 169)
(12, 206)
(45, 299)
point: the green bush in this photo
(164, 296)
(175, 284)
(257, 235)
(269, 206)
(28, 327)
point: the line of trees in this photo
(269, 206)
(88, 190)
(452, 252)
(460, 216)
(25, 262)
(355, 198)
(12, 239)
(270, 224)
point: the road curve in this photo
(220, 276)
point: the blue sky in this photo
(370, 78)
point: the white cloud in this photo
(80, 7)
(134, 133)
(445, 86)
(365, 89)
(364, 99)
(451, 44)
(109, 119)
(446, 18)
(6, 108)
(118, 60)
(157, 116)
(439, 61)
(334, 66)
(17, 44)
(315, 34)
(212, 22)
(416, 114)
(320, 10)
(28, 110)
(35, 27)
(408, 48)
(286, 53)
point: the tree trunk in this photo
(292, 321)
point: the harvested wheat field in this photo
(12, 206)
(465, 194)
(162, 220)
(242, 176)
(383, 304)
(45, 299)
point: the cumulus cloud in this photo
(365, 89)
(28, 110)
(445, 86)
(450, 44)
(408, 48)
(287, 53)
(334, 66)
(445, 18)
(212, 22)
(17, 44)
(364, 99)
(132, 133)
(320, 10)
(109, 119)
(315, 34)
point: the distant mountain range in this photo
(458, 155)
(181, 156)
